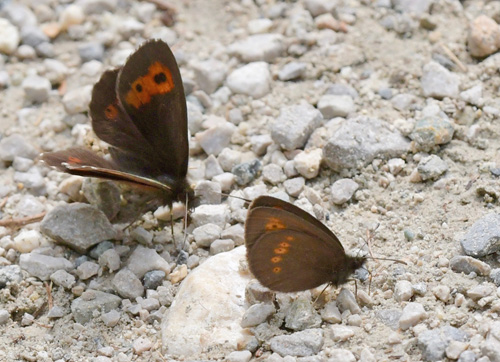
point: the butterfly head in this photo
(342, 274)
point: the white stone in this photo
(36, 89)
(27, 240)
(226, 181)
(342, 190)
(259, 47)
(332, 105)
(412, 314)
(9, 37)
(71, 15)
(253, 79)
(215, 294)
(77, 100)
(403, 291)
(308, 162)
(216, 214)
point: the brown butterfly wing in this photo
(291, 261)
(266, 213)
(153, 97)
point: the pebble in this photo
(100, 249)
(403, 291)
(299, 344)
(301, 315)
(142, 236)
(89, 226)
(216, 214)
(253, 79)
(178, 274)
(484, 37)
(212, 167)
(63, 278)
(431, 131)
(71, 15)
(4, 317)
(466, 264)
(292, 71)
(442, 292)
(431, 167)
(228, 158)
(258, 47)
(494, 275)
(330, 313)
(9, 37)
(468, 356)
(36, 89)
(482, 238)
(87, 270)
(14, 146)
(208, 192)
(221, 245)
(294, 186)
(413, 313)
(273, 174)
(210, 74)
(111, 318)
(491, 346)
(154, 279)
(473, 95)
(205, 234)
(234, 232)
(33, 36)
(226, 181)
(43, 266)
(438, 82)
(27, 240)
(358, 141)
(77, 100)
(216, 138)
(257, 314)
(396, 165)
(332, 106)
(56, 312)
(308, 162)
(32, 181)
(10, 274)
(83, 307)
(341, 333)
(455, 349)
(246, 172)
(409, 6)
(294, 125)
(433, 343)
(260, 143)
(318, 7)
(239, 356)
(91, 51)
(127, 284)
(347, 301)
(480, 291)
(143, 260)
(141, 345)
(342, 190)
(404, 101)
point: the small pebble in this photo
(253, 79)
(141, 345)
(308, 162)
(342, 190)
(412, 314)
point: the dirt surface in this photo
(436, 212)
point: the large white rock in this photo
(206, 313)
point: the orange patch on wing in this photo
(276, 259)
(158, 80)
(74, 159)
(284, 244)
(274, 224)
(281, 250)
(111, 112)
(276, 270)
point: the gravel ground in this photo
(378, 117)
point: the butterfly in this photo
(140, 111)
(289, 250)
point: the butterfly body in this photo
(140, 111)
(288, 250)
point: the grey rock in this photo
(43, 266)
(111, 318)
(149, 304)
(483, 238)
(56, 312)
(204, 235)
(216, 214)
(33, 181)
(467, 356)
(359, 140)
(404, 101)
(403, 290)
(342, 190)
(292, 70)
(433, 343)
(216, 138)
(256, 293)
(195, 117)
(330, 313)
(79, 226)
(154, 279)
(77, 100)
(273, 174)
(412, 314)
(432, 131)
(210, 74)
(332, 106)
(257, 314)
(246, 172)
(385, 93)
(63, 278)
(260, 143)
(87, 270)
(36, 88)
(494, 275)
(229, 158)
(221, 245)
(22, 164)
(100, 248)
(258, 47)
(340, 89)
(466, 264)
(438, 82)
(33, 36)
(431, 167)
(212, 167)
(318, 7)
(4, 317)
(110, 259)
(294, 186)
(127, 285)
(10, 274)
(143, 260)
(142, 236)
(236, 116)
(253, 79)
(347, 301)
(302, 315)
(390, 317)
(208, 192)
(294, 125)
(83, 307)
(234, 232)
(473, 95)
(416, 7)
(491, 346)
(239, 356)
(91, 51)
(103, 194)
(300, 344)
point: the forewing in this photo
(291, 261)
(150, 91)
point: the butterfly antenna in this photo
(320, 294)
(236, 197)
(185, 221)
(389, 259)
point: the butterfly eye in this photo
(160, 78)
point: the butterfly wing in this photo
(291, 261)
(267, 213)
(153, 97)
